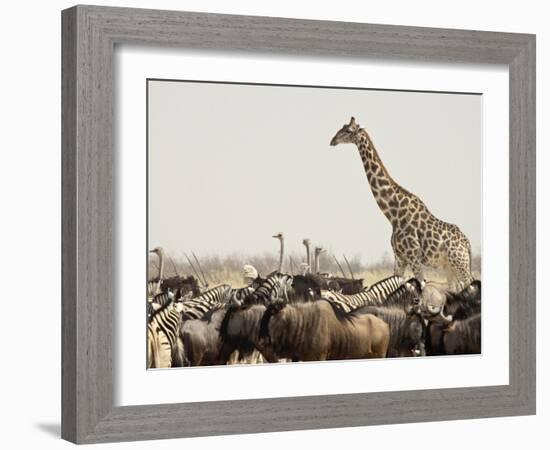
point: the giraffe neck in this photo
(383, 187)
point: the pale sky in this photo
(231, 165)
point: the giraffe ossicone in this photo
(419, 239)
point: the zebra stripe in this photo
(405, 295)
(163, 299)
(348, 303)
(153, 288)
(196, 308)
(241, 293)
(373, 296)
(162, 335)
(384, 288)
(273, 288)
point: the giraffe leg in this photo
(399, 267)
(418, 271)
(451, 277)
(460, 264)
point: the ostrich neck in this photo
(316, 262)
(382, 185)
(308, 257)
(161, 266)
(281, 256)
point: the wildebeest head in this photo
(436, 324)
(181, 285)
(414, 286)
(415, 329)
(472, 293)
(271, 310)
(305, 287)
(465, 303)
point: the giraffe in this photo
(419, 239)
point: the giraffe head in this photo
(346, 135)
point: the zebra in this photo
(348, 303)
(383, 288)
(404, 296)
(238, 295)
(163, 348)
(273, 288)
(196, 308)
(373, 296)
(163, 299)
(153, 288)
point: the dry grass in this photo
(228, 269)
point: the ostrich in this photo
(154, 285)
(307, 244)
(318, 251)
(282, 250)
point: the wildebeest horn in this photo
(434, 309)
(446, 319)
(339, 266)
(193, 268)
(174, 266)
(200, 268)
(349, 267)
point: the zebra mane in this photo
(263, 293)
(402, 296)
(347, 303)
(197, 307)
(341, 312)
(162, 307)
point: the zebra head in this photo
(281, 288)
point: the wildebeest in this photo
(305, 287)
(201, 338)
(181, 285)
(315, 331)
(465, 303)
(240, 330)
(407, 328)
(347, 286)
(446, 336)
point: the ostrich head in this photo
(278, 236)
(157, 251)
(346, 134)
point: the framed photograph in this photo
(306, 210)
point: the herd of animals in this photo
(316, 317)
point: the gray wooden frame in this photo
(89, 36)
